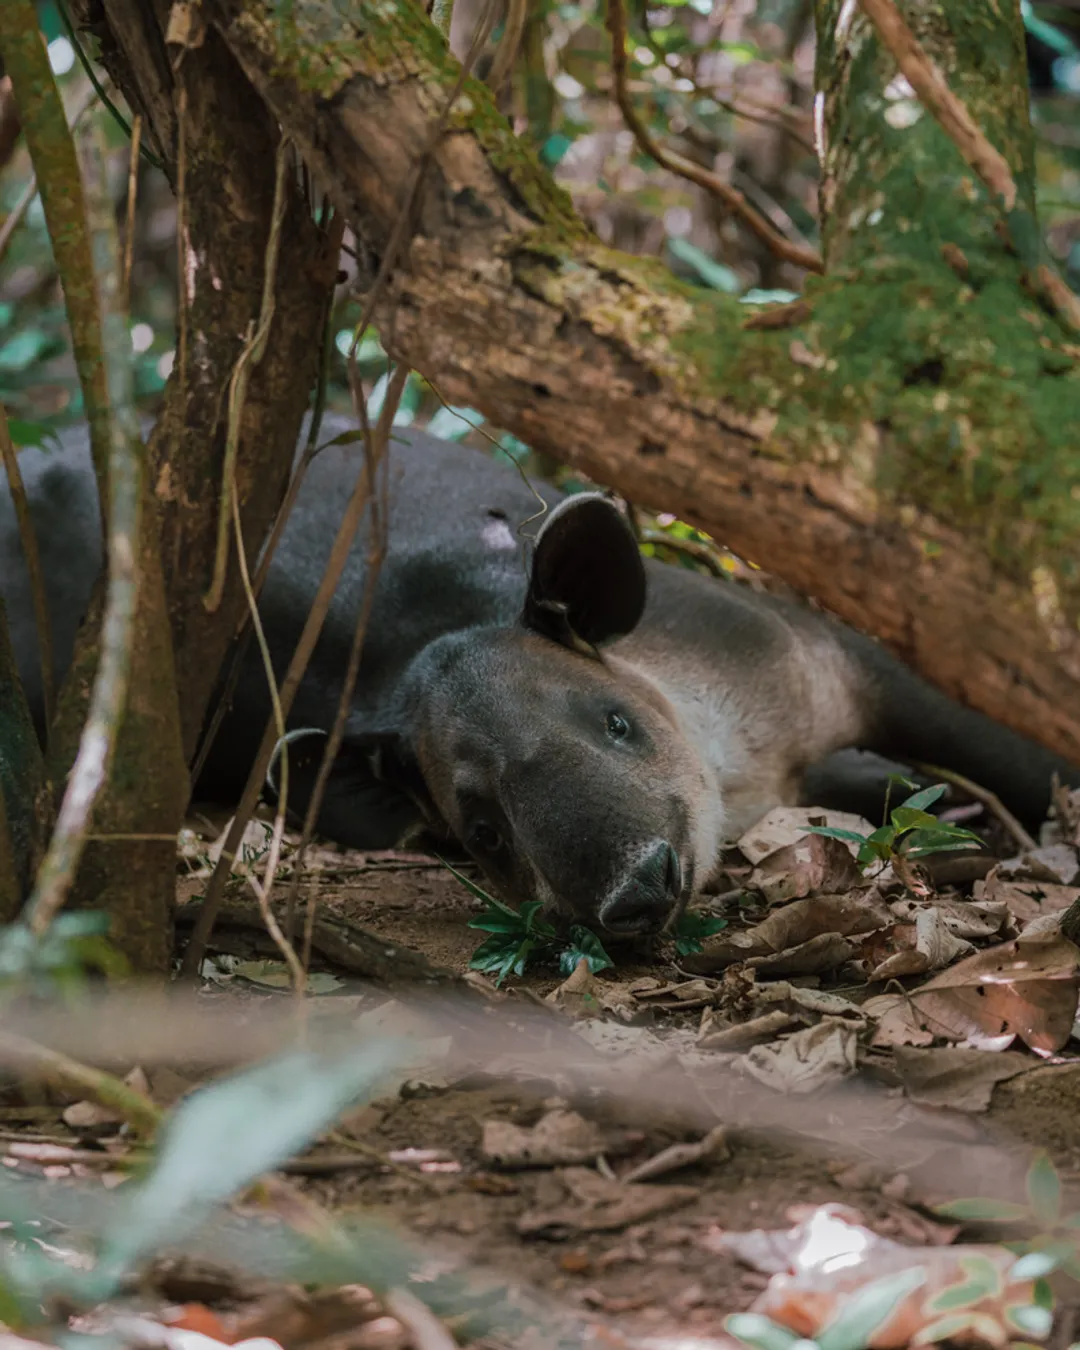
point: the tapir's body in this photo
(605, 783)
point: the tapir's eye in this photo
(618, 727)
(485, 838)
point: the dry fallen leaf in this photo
(1025, 988)
(1026, 900)
(806, 1061)
(599, 1205)
(559, 1137)
(927, 944)
(811, 865)
(797, 925)
(714, 1146)
(788, 824)
(957, 1078)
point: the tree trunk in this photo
(900, 444)
(22, 783)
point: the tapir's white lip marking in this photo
(497, 534)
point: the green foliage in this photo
(1056, 1243)
(58, 961)
(911, 832)
(693, 927)
(862, 1313)
(522, 937)
(216, 1143)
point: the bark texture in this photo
(901, 444)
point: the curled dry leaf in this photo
(1026, 901)
(600, 1205)
(798, 925)
(811, 865)
(954, 1077)
(558, 1138)
(806, 1061)
(926, 944)
(1026, 988)
(1056, 863)
(963, 918)
(786, 825)
(830, 1260)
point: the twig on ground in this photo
(990, 800)
(670, 159)
(28, 540)
(138, 1110)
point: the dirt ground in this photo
(664, 1273)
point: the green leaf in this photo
(1044, 1189)
(1033, 1265)
(584, 943)
(760, 1332)
(25, 349)
(221, 1138)
(864, 1312)
(977, 1209)
(32, 433)
(919, 801)
(1030, 1319)
(908, 817)
(982, 1279)
(712, 273)
(476, 890)
(830, 832)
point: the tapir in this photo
(590, 726)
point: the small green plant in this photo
(910, 832)
(1055, 1244)
(693, 926)
(520, 937)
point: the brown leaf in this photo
(812, 864)
(926, 944)
(786, 825)
(1025, 988)
(960, 1079)
(793, 926)
(599, 1205)
(806, 1061)
(559, 1137)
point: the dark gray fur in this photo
(474, 721)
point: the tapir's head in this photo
(559, 766)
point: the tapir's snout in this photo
(646, 898)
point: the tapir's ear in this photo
(374, 794)
(588, 581)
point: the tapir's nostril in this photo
(645, 899)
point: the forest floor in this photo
(645, 1151)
